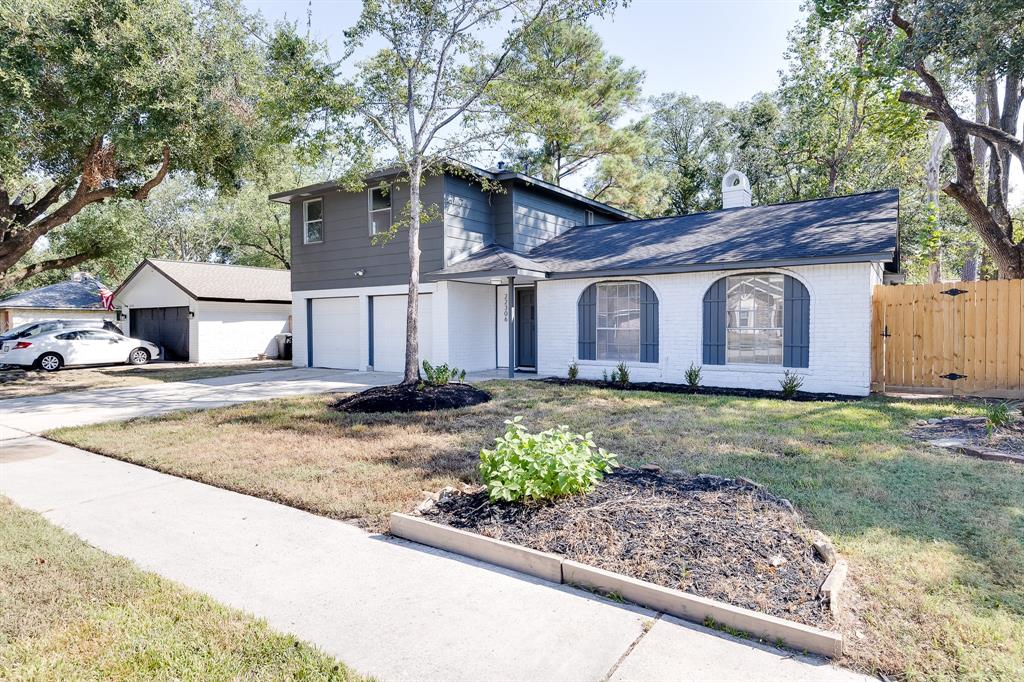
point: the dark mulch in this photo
(661, 387)
(715, 537)
(411, 398)
(972, 431)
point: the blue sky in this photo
(725, 50)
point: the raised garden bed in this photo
(971, 436)
(662, 387)
(723, 539)
(412, 398)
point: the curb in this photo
(667, 600)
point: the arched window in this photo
(618, 322)
(760, 318)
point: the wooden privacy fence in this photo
(964, 337)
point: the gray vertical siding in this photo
(537, 218)
(346, 247)
(468, 218)
(502, 206)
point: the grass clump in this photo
(541, 466)
(71, 612)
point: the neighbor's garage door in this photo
(166, 327)
(389, 332)
(336, 333)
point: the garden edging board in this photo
(677, 603)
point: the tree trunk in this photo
(412, 346)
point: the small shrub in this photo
(541, 466)
(620, 375)
(442, 374)
(574, 371)
(692, 376)
(604, 376)
(790, 383)
(462, 376)
(998, 416)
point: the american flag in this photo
(106, 298)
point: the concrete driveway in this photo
(23, 416)
(389, 608)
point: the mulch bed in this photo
(412, 398)
(662, 387)
(973, 432)
(715, 537)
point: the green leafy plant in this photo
(604, 376)
(541, 466)
(790, 383)
(998, 415)
(574, 371)
(692, 376)
(620, 375)
(462, 376)
(441, 374)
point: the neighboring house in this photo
(745, 292)
(76, 298)
(202, 312)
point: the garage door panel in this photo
(166, 327)
(336, 332)
(389, 331)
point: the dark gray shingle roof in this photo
(215, 281)
(855, 228)
(84, 294)
(495, 259)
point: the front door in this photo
(526, 328)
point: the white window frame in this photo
(370, 211)
(306, 221)
(781, 327)
(597, 324)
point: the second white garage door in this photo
(389, 332)
(336, 332)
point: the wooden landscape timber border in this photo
(677, 603)
(956, 338)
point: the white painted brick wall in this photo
(471, 326)
(840, 328)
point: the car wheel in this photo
(50, 362)
(139, 356)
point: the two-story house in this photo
(522, 274)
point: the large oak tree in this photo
(102, 100)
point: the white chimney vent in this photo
(735, 190)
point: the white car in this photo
(63, 347)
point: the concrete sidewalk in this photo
(34, 415)
(389, 608)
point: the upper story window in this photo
(313, 221)
(380, 210)
(754, 319)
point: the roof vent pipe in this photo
(735, 190)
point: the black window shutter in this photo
(796, 324)
(648, 324)
(587, 316)
(714, 323)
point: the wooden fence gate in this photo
(963, 338)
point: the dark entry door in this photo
(526, 328)
(166, 327)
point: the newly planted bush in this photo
(692, 376)
(541, 466)
(442, 374)
(620, 375)
(998, 416)
(574, 371)
(790, 383)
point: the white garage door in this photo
(336, 332)
(389, 332)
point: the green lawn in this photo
(935, 541)
(71, 612)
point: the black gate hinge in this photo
(953, 376)
(955, 292)
(885, 332)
